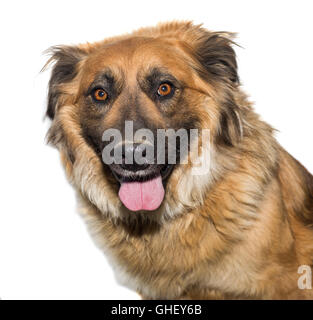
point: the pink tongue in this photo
(146, 195)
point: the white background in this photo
(45, 251)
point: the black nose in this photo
(134, 156)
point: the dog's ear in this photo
(64, 60)
(217, 57)
(218, 66)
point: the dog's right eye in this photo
(99, 95)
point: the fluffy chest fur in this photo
(232, 246)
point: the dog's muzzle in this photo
(141, 178)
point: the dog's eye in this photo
(99, 95)
(165, 89)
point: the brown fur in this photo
(240, 231)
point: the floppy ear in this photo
(218, 66)
(64, 60)
(217, 57)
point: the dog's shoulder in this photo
(297, 191)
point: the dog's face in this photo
(177, 77)
(144, 82)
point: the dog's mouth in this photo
(142, 187)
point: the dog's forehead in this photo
(135, 56)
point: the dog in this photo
(239, 229)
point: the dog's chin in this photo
(142, 190)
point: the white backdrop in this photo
(45, 251)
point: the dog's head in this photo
(119, 106)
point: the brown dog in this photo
(241, 229)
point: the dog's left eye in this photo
(165, 89)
